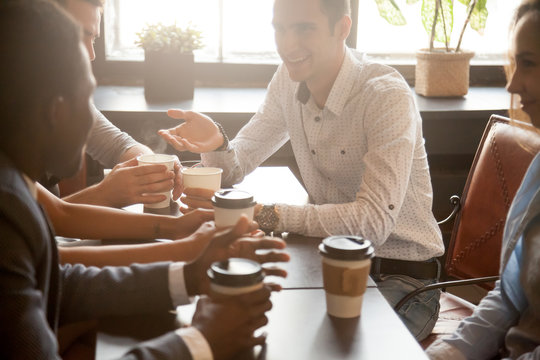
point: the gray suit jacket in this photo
(37, 295)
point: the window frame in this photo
(114, 72)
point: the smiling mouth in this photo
(297, 60)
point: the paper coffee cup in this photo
(230, 205)
(346, 262)
(165, 159)
(235, 276)
(202, 177)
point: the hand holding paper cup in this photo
(346, 262)
(165, 159)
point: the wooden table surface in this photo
(274, 184)
(298, 329)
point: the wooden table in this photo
(274, 184)
(298, 329)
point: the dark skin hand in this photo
(233, 242)
(228, 324)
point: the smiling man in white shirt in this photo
(357, 138)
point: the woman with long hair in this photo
(506, 323)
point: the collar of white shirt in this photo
(340, 89)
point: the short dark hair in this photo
(335, 10)
(40, 53)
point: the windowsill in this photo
(206, 100)
(247, 101)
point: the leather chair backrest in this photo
(502, 158)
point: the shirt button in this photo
(391, 207)
(342, 152)
(317, 118)
(313, 152)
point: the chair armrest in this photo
(443, 284)
(455, 202)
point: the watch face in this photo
(267, 217)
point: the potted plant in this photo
(442, 71)
(169, 68)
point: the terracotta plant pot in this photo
(441, 73)
(168, 76)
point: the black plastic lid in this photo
(232, 199)
(346, 248)
(236, 272)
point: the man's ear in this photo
(343, 27)
(57, 112)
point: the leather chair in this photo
(473, 255)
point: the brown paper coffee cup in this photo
(346, 263)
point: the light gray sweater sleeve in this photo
(106, 143)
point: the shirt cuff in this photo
(196, 343)
(292, 218)
(177, 284)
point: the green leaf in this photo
(479, 16)
(465, 2)
(410, 2)
(428, 17)
(389, 10)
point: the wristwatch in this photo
(268, 217)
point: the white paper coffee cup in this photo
(346, 262)
(235, 276)
(202, 177)
(230, 205)
(153, 159)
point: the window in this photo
(236, 31)
(240, 32)
(399, 42)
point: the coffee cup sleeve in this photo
(353, 282)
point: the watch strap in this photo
(225, 144)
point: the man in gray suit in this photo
(45, 107)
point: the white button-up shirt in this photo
(362, 159)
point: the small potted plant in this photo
(169, 68)
(442, 71)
